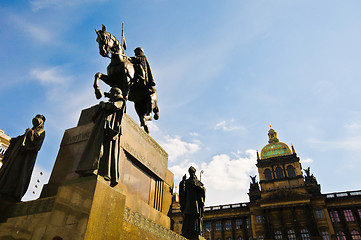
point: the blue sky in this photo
(225, 71)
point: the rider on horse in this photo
(142, 69)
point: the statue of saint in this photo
(101, 153)
(192, 194)
(19, 160)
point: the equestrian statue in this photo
(132, 76)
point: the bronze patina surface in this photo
(192, 195)
(19, 160)
(132, 75)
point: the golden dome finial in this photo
(272, 134)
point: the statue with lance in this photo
(132, 76)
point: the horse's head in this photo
(107, 42)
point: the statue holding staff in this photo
(192, 195)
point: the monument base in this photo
(75, 207)
(85, 208)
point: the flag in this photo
(124, 44)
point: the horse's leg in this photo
(106, 79)
(155, 108)
(98, 92)
(139, 108)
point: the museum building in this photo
(284, 204)
(4, 144)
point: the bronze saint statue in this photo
(19, 160)
(192, 195)
(132, 75)
(101, 153)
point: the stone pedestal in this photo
(75, 207)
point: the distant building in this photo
(285, 204)
(4, 143)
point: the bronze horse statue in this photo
(121, 73)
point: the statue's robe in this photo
(19, 160)
(191, 197)
(143, 62)
(101, 154)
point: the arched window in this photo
(267, 174)
(355, 235)
(239, 238)
(291, 235)
(291, 171)
(279, 173)
(305, 235)
(340, 236)
(278, 235)
(229, 238)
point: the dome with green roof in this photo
(274, 148)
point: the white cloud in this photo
(226, 177)
(227, 173)
(194, 134)
(153, 126)
(351, 143)
(69, 101)
(306, 160)
(353, 126)
(177, 148)
(35, 31)
(182, 168)
(228, 126)
(53, 75)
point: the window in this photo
(348, 215)
(218, 226)
(258, 219)
(228, 225)
(359, 212)
(238, 223)
(229, 238)
(334, 216)
(279, 173)
(3, 149)
(208, 226)
(239, 238)
(355, 235)
(325, 235)
(340, 236)
(291, 235)
(278, 235)
(305, 235)
(319, 214)
(248, 223)
(267, 174)
(260, 237)
(291, 171)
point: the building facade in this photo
(284, 204)
(4, 144)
